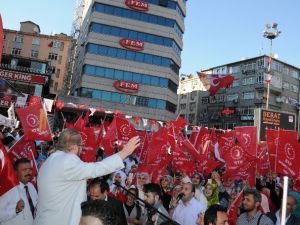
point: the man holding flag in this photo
(62, 179)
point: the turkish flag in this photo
(213, 82)
(59, 104)
(110, 138)
(25, 149)
(33, 100)
(8, 178)
(206, 165)
(142, 151)
(35, 123)
(288, 155)
(89, 143)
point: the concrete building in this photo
(128, 56)
(249, 91)
(27, 47)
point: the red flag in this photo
(24, 149)
(8, 178)
(137, 120)
(82, 121)
(35, 123)
(33, 100)
(263, 165)
(89, 143)
(120, 130)
(142, 151)
(202, 140)
(288, 155)
(232, 211)
(1, 37)
(206, 165)
(213, 82)
(246, 137)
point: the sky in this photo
(217, 32)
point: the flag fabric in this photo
(89, 143)
(48, 104)
(294, 102)
(202, 140)
(233, 210)
(110, 138)
(288, 156)
(263, 165)
(246, 137)
(35, 123)
(213, 82)
(8, 178)
(24, 149)
(33, 100)
(82, 121)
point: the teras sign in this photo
(125, 86)
(130, 44)
(137, 5)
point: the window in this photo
(62, 45)
(145, 17)
(182, 106)
(232, 97)
(294, 88)
(59, 59)
(16, 51)
(52, 56)
(57, 73)
(55, 86)
(248, 81)
(248, 95)
(286, 85)
(191, 118)
(18, 38)
(34, 54)
(35, 41)
(192, 106)
(56, 44)
(260, 78)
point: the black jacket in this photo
(119, 208)
(293, 220)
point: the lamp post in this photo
(271, 32)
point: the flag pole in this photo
(284, 200)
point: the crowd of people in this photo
(110, 191)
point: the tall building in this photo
(235, 106)
(29, 50)
(129, 56)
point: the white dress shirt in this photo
(62, 186)
(8, 203)
(278, 219)
(188, 214)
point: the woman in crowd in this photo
(198, 181)
(166, 184)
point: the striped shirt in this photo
(243, 220)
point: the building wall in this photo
(44, 45)
(84, 80)
(249, 78)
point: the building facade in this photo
(235, 106)
(28, 48)
(129, 56)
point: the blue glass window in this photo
(116, 97)
(119, 75)
(109, 73)
(146, 79)
(128, 76)
(100, 71)
(121, 53)
(152, 103)
(112, 52)
(113, 10)
(106, 95)
(130, 55)
(155, 81)
(136, 77)
(92, 48)
(89, 69)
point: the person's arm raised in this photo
(129, 148)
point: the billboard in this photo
(272, 119)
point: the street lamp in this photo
(271, 32)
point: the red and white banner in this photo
(138, 5)
(213, 82)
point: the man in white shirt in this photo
(17, 206)
(188, 207)
(62, 179)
